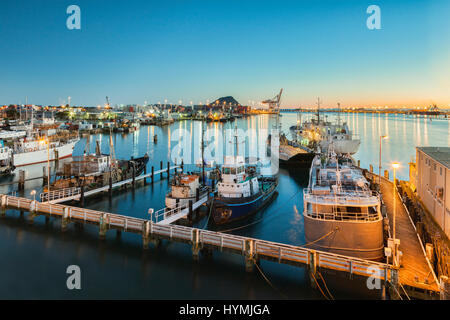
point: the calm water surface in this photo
(35, 257)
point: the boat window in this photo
(226, 170)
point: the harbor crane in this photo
(274, 103)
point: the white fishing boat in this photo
(341, 213)
(319, 133)
(6, 160)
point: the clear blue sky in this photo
(134, 51)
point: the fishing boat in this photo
(241, 191)
(183, 189)
(319, 133)
(6, 160)
(38, 149)
(341, 213)
(92, 171)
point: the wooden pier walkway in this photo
(252, 249)
(68, 194)
(415, 273)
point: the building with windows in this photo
(432, 181)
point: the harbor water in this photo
(36, 256)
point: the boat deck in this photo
(415, 271)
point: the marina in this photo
(411, 282)
(223, 155)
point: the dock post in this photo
(161, 167)
(44, 175)
(249, 255)
(312, 267)
(386, 174)
(82, 197)
(190, 212)
(197, 198)
(3, 206)
(195, 244)
(134, 176)
(359, 163)
(145, 173)
(168, 170)
(110, 186)
(153, 174)
(65, 219)
(56, 157)
(103, 226)
(393, 289)
(444, 288)
(182, 165)
(32, 213)
(21, 180)
(145, 234)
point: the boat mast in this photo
(318, 110)
(203, 155)
(339, 114)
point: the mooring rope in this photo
(267, 280)
(322, 237)
(257, 221)
(318, 286)
(326, 287)
(210, 211)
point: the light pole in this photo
(379, 163)
(33, 193)
(395, 166)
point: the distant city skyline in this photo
(137, 51)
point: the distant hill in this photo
(227, 100)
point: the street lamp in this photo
(33, 193)
(379, 163)
(395, 166)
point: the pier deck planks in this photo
(414, 263)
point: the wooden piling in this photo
(134, 175)
(3, 206)
(161, 167)
(145, 173)
(182, 165)
(168, 170)
(110, 186)
(145, 234)
(153, 174)
(386, 174)
(312, 267)
(444, 286)
(65, 219)
(249, 255)
(44, 176)
(190, 212)
(195, 244)
(21, 180)
(103, 226)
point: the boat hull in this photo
(40, 156)
(227, 210)
(357, 239)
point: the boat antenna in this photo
(318, 110)
(203, 155)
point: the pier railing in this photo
(251, 248)
(60, 194)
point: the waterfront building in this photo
(431, 177)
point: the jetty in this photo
(208, 241)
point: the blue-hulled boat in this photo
(240, 191)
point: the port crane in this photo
(274, 103)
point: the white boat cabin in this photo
(235, 183)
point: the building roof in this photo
(440, 154)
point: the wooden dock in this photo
(415, 274)
(204, 240)
(68, 194)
